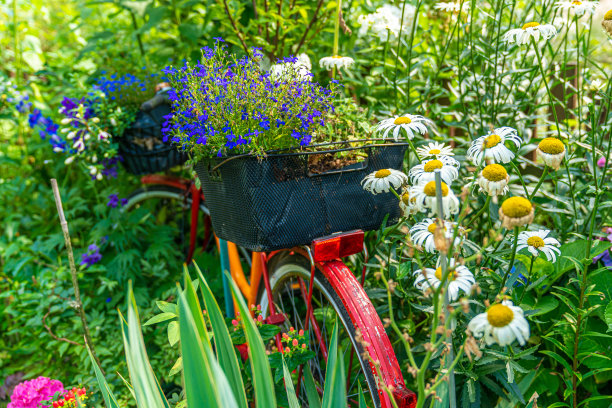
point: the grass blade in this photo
(334, 392)
(314, 401)
(262, 375)
(362, 403)
(196, 310)
(223, 342)
(291, 397)
(109, 398)
(199, 376)
(146, 388)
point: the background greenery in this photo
(451, 74)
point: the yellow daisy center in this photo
(337, 56)
(432, 228)
(451, 276)
(551, 145)
(516, 207)
(402, 120)
(608, 15)
(531, 25)
(406, 198)
(434, 151)
(494, 172)
(500, 315)
(382, 173)
(430, 189)
(576, 3)
(535, 242)
(492, 141)
(432, 165)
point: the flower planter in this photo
(142, 147)
(277, 202)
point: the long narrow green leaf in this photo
(311, 388)
(223, 342)
(127, 385)
(362, 403)
(334, 392)
(262, 375)
(199, 376)
(146, 387)
(109, 398)
(291, 397)
(196, 310)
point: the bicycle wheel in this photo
(289, 283)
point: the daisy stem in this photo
(395, 192)
(512, 256)
(518, 172)
(550, 97)
(413, 150)
(535, 190)
(397, 51)
(528, 279)
(484, 207)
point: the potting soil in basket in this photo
(274, 203)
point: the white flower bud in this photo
(69, 160)
(65, 130)
(113, 122)
(71, 135)
(66, 121)
(86, 136)
(95, 120)
(94, 159)
(99, 176)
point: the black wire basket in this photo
(278, 202)
(142, 147)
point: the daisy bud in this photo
(516, 212)
(552, 152)
(607, 22)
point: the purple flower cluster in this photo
(113, 201)
(92, 256)
(21, 101)
(29, 394)
(605, 256)
(47, 129)
(224, 104)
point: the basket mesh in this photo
(142, 147)
(274, 203)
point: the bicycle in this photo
(303, 287)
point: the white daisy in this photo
(579, 7)
(502, 323)
(552, 152)
(426, 172)
(607, 22)
(422, 233)
(452, 7)
(494, 179)
(459, 279)
(336, 61)
(386, 22)
(516, 212)
(492, 146)
(408, 205)
(435, 150)
(380, 181)
(537, 241)
(410, 124)
(530, 30)
(424, 195)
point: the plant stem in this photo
(512, 256)
(336, 34)
(73, 271)
(535, 190)
(528, 279)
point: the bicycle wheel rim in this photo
(286, 276)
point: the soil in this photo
(321, 163)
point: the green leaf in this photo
(196, 310)
(262, 375)
(334, 392)
(109, 398)
(362, 403)
(162, 317)
(291, 397)
(146, 387)
(223, 341)
(199, 376)
(608, 316)
(173, 333)
(311, 389)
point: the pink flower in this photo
(601, 162)
(30, 393)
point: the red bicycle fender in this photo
(364, 317)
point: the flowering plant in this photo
(226, 105)
(30, 394)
